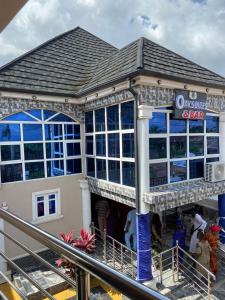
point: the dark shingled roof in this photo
(78, 62)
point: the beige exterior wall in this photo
(18, 196)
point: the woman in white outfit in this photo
(199, 223)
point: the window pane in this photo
(128, 144)
(73, 149)
(55, 168)
(178, 146)
(212, 159)
(34, 170)
(157, 148)
(128, 173)
(48, 113)
(114, 171)
(72, 131)
(89, 121)
(90, 164)
(101, 168)
(127, 115)
(196, 145)
(196, 168)
(158, 123)
(100, 119)
(158, 174)
(89, 145)
(36, 113)
(10, 152)
(40, 209)
(212, 124)
(54, 150)
(113, 145)
(196, 126)
(21, 116)
(178, 171)
(32, 132)
(10, 173)
(61, 118)
(113, 117)
(33, 151)
(100, 144)
(51, 196)
(9, 132)
(212, 145)
(52, 208)
(177, 126)
(73, 166)
(53, 132)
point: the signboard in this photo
(189, 105)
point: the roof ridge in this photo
(190, 61)
(140, 53)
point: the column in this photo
(86, 204)
(221, 198)
(144, 261)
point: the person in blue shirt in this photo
(130, 230)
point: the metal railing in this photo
(85, 265)
(114, 253)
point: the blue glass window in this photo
(40, 206)
(114, 171)
(73, 149)
(53, 132)
(178, 171)
(113, 117)
(128, 144)
(101, 168)
(10, 173)
(196, 167)
(196, 126)
(100, 144)
(34, 170)
(212, 124)
(33, 151)
(157, 148)
(128, 169)
(72, 131)
(113, 145)
(213, 145)
(212, 159)
(61, 118)
(90, 164)
(127, 115)
(55, 168)
(178, 146)
(89, 121)
(10, 152)
(48, 114)
(158, 174)
(36, 113)
(89, 145)
(158, 123)
(100, 119)
(51, 204)
(196, 145)
(177, 126)
(32, 132)
(73, 166)
(9, 132)
(54, 150)
(21, 116)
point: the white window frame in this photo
(47, 217)
(167, 136)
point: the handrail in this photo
(117, 280)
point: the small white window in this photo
(46, 205)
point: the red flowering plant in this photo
(85, 242)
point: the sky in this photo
(194, 29)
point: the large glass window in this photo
(113, 117)
(43, 144)
(158, 123)
(157, 148)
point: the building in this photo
(67, 133)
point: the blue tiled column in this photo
(144, 261)
(221, 213)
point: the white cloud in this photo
(192, 28)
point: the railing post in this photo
(177, 259)
(104, 245)
(113, 253)
(209, 287)
(161, 268)
(173, 267)
(132, 266)
(83, 284)
(121, 256)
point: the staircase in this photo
(174, 269)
